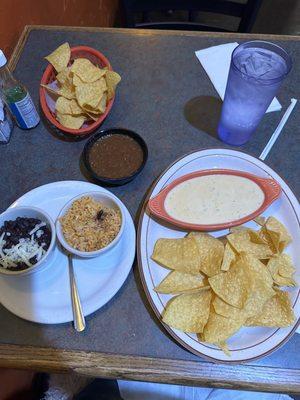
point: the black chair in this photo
(246, 12)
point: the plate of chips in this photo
(230, 296)
(77, 89)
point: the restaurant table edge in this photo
(28, 28)
(96, 364)
(192, 373)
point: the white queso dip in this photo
(213, 199)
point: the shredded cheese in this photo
(37, 227)
(21, 252)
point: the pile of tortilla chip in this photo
(83, 89)
(222, 285)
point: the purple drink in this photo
(256, 71)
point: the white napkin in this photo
(216, 62)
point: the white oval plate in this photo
(45, 296)
(248, 343)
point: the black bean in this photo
(14, 240)
(20, 229)
(100, 215)
(33, 260)
(20, 267)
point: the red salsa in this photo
(115, 156)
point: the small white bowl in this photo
(30, 212)
(109, 200)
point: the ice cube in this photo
(257, 63)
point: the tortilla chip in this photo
(228, 258)
(66, 106)
(264, 234)
(218, 328)
(253, 305)
(257, 268)
(224, 347)
(188, 312)
(278, 233)
(112, 79)
(178, 254)
(179, 282)
(226, 310)
(89, 94)
(86, 70)
(211, 252)
(60, 57)
(63, 105)
(75, 108)
(101, 107)
(232, 286)
(281, 269)
(239, 228)
(69, 121)
(260, 220)
(64, 76)
(242, 270)
(76, 80)
(92, 116)
(255, 237)
(259, 290)
(286, 267)
(67, 91)
(276, 313)
(241, 242)
(50, 89)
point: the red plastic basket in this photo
(96, 58)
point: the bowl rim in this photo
(112, 131)
(50, 248)
(42, 95)
(270, 188)
(85, 254)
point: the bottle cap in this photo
(3, 59)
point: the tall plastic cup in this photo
(256, 72)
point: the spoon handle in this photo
(79, 321)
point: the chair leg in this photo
(145, 17)
(128, 13)
(192, 16)
(249, 15)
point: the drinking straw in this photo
(278, 130)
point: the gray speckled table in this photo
(166, 97)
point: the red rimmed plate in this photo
(271, 190)
(249, 343)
